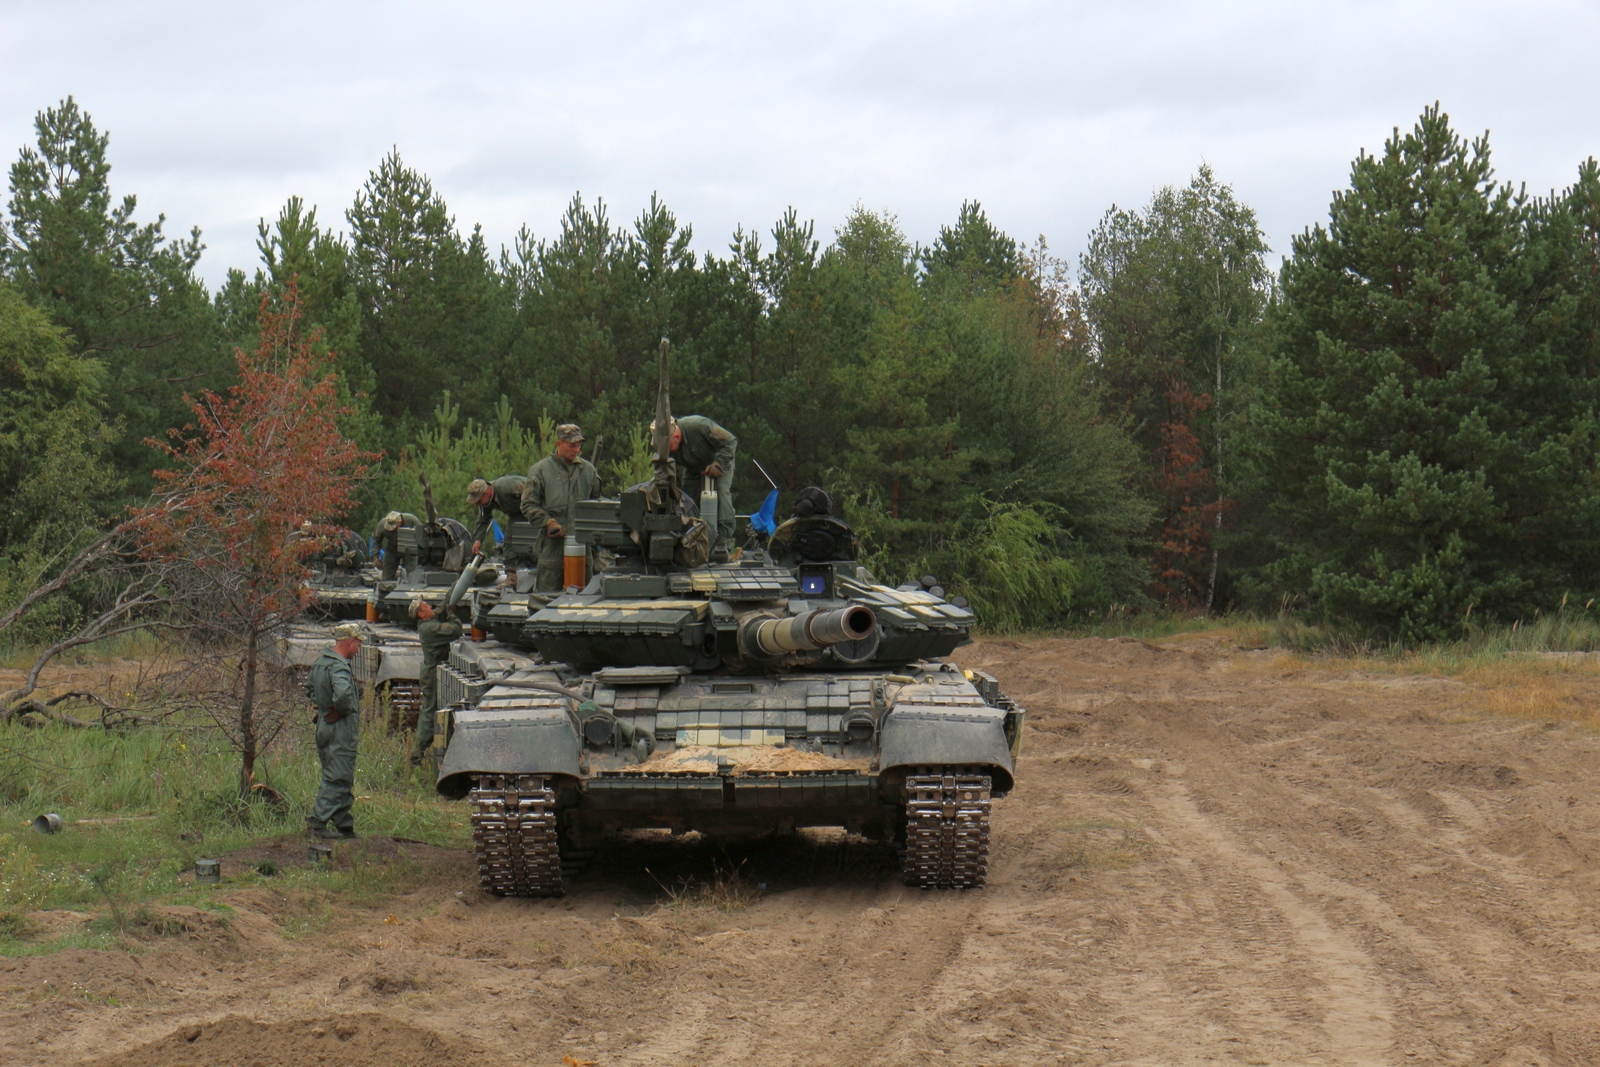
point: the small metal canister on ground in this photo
(207, 872)
(321, 855)
(48, 823)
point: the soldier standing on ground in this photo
(436, 636)
(332, 689)
(704, 454)
(387, 538)
(504, 495)
(555, 484)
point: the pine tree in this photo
(1429, 425)
(128, 295)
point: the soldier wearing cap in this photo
(387, 539)
(436, 636)
(332, 689)
(504, 495)
(555, 484)
(703, 452)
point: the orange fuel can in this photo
(574, 564)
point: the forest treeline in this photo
(1395, 432)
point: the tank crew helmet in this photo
(569, 432)
(476, 489)
(346, 630)
(812, 501)
(392, 521)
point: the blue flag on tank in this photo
(765, 519)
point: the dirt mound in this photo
(348, 1040)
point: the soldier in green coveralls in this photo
(436, 636)
(332, 689)
(555, 484)
(703, 452)
(504, 495)
(387, 537)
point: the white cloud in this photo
(1046, 112)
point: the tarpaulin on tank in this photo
(916, 735)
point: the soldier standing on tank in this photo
(436, 636)
(387, 538)
(332, 689)
(504, 495)
(555, 485)
(703, 452)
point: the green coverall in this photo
(332, 687)
(704, 443)
(554, 487)
(388, 542)
(437, 635)
(507, 500)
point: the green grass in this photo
(174, 790)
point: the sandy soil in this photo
(1212, 856)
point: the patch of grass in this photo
(180, 781)
(1099, 845)
(728, 891)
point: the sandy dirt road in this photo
(1212, 856)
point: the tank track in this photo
(514, 835)
(947, 829)
(405, 704)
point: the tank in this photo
(786, 688)
(342, 578)
(433, 555)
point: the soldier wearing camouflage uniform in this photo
(436, 636)
(703, 452)
(387, 539)
(555, 484)
(332, 689)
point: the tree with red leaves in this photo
(1191, 509)
(254, 465)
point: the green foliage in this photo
(127, 295)
(1015, 571)
(451, 453)
(433, 310)
(1429, 430)
(1173, 294)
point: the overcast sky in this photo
(1047, 113)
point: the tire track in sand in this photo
(1356, 1012)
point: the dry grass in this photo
(1100, 845)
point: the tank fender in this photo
(399, 664)
(917, 735)
(538, 740)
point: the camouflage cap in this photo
(476, 488)
(346, 630)
(569, 432)
(392, 521)
(415, 606)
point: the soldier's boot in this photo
(321, 829)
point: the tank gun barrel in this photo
(769, 638)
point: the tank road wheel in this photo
(514, 835)
(947, 829)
